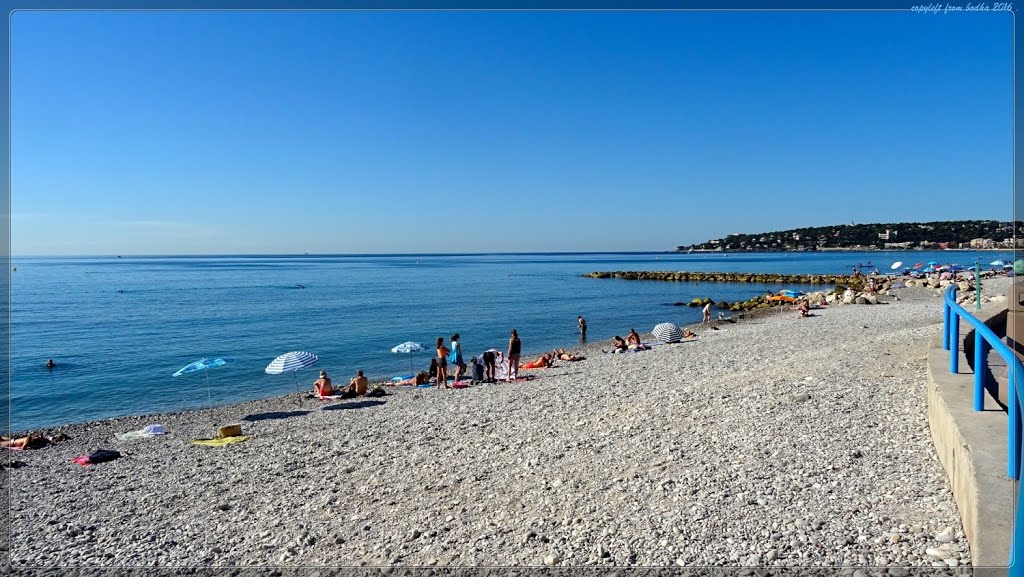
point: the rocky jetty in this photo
(683, 276)
(846, 289)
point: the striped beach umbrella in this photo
(668, 333)
(291, 362)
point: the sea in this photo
(118, 328)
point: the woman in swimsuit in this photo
(457, 347)
(515, 347)
(442, 363)
(544, 361)
(421, 378)
(566, 356)
(323, 385)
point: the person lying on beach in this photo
(33, 441)
(421, 378)
(688, 334)
(566, 356)
(545, 361)
(633, 340)
(323, 385)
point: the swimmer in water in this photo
(50, 364)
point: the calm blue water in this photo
(119, 327)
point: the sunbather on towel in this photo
(323, 385)
(567, 356)
(688, 334)
(618, 345)
(545, 361)
(421, 378)
(33, 441)
(633, 340)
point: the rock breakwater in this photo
(683, 276)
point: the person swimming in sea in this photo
(50, 364)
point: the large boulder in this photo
(830, 298)
(862, 300)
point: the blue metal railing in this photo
(984, 341)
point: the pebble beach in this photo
(775, 441)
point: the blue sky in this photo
(380, 132)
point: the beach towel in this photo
(100, 456)
(144, 433)
(460, 385)
(425, 385)
(220, 442)
(329, 397)
(402, 378)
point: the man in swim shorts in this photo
(323, 385)
(358, 385)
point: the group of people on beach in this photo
(485, 368)
(357, 387)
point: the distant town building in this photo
(982, 243)
(887, 235)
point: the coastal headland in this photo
(775, 440)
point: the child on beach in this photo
(478, 369)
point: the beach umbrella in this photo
(996, 263)
(932, 262)
(956, 267)
(896, 265)
(203, 365)
(918, 265)
(1008, 265)
(291, 362)
(408, 348)
(668, 333)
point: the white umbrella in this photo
(668, 333)
(408, 348)
(896, 265)
(996, 263)
(291, 361)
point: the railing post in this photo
(980, 367)
(945, 325)
(1013, 415)
(954, 342)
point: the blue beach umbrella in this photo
(932, 262)
(997, 263)
(291, 362)
(203, 365)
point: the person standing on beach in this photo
(457, 353)
(707, 313)
(442, 363)
(583, 327)
(490, 367)
(515, 347)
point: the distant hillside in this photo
(899, 236)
